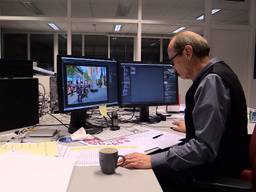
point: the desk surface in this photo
(93, 179)
(90, 178)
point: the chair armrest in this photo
(223, 184)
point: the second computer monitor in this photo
(147, 84)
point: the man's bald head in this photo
(199, 44)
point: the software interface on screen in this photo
(87, 83)
(148, 84)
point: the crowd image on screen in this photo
(86, 84)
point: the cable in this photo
(129, 119)
(42, 103)
(58, 120)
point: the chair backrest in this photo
(253, 156)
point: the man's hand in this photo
(137, 161)
(180, 126)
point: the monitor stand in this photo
(144, 116)
(78, 119)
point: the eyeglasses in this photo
(173, 57)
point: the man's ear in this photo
(188, 51)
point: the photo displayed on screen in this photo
(86, 84)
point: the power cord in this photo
(57, 119)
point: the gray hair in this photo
(198, 43)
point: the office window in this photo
(62, 44)
(121, 48)
(15, 46)
(255, 63)
(77, 45)
(96, 46)
(150, 50)
(42, 50)
(165, 53)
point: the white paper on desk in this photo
(167, 140)
(145, 139)
(34, 173)
(89, 155)
(83, 157)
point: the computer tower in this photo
(18, 103)
(12, 68)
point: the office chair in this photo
(247, 183)
(250, 175)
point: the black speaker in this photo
(18, 103)
(16, 68)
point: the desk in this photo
(125, 180)
(91, 178)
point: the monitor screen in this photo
(12, 68)
(147, 84)
(85, 83)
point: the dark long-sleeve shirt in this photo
(212, 105)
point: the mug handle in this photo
(123, 160)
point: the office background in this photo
(87, 28)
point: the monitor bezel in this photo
(63, 107)
(121, 104)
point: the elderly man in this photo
(215, 120)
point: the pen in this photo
(157, 136)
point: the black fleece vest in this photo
(233, 151)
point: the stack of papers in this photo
(146, 141)
(89, 155)
(34, 173)
(43, 149)
(154, 139)
(33, 167)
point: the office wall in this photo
(45, 81)
(183, 87)
(232, 46)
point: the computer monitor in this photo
(12, 68)
(18, 103)
(83, 84)
(144, 85)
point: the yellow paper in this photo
(51, 148)
(43, 148)
(103, 110)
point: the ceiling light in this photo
(118, 27)
(201, 17)
(53, 26)
(215, 11)
(179, 29)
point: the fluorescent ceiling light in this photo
(179, 29)
(201, 17)
(53, 26)
(215, 11)
(118, 27)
